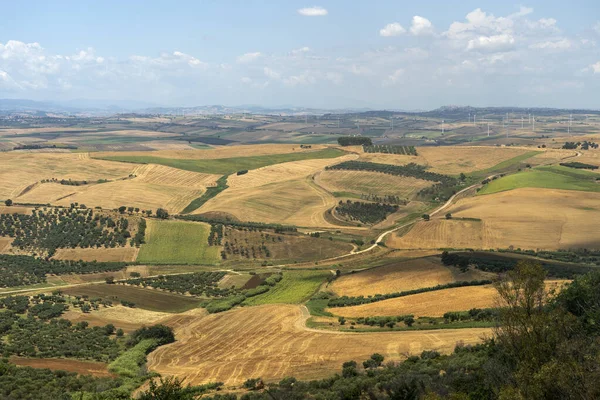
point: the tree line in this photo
(254, 226)
(20, 270)
(579, 165)
(411, 170)
(195, 284)
(354, 141)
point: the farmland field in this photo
(401, 276)
(429, 304)
(271, 342)
(98, 254)
(554, 177)
(225, 166)
(370, 183)
(177, 242)
(512, 218)
(147, 299)
(93, 368)
(295, 287)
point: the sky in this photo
(327, 54)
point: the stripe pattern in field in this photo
(271, 342)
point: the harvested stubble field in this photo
(401, 276)
(282, 172)
(20, 170)
(98, 254)
(93, 368)
(152, 187)
(452, 160)
(271, 342)
(147, 299)
(430, 304)
(298, 202)
(527, 218)
(342, 183)
(128, 319)
(178, 242)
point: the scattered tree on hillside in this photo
(162, 213)
(8, 202)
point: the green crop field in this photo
(226, 166)
(295, 287)
(552, 177)
(177, 242)
(507, 163)
(147, 299)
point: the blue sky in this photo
(379, 54)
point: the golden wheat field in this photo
(451, 159)
(430, 304)
(128, 319)
(150, 187)
(21, 170)
(370, 183)
(271, 342)
(401, 276)
(527, 218)
(99, 254)
(297, 202)
(282, 172)
(218, 152)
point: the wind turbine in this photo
(443, 125)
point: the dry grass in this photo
(270, 342)
(5, 244)
(282, 172)
(100, 254)
(362, 182)
(218, 152)
(297, 202)
(128, 319)
(430, 304)
(527, 218)
(15, 210)
(401, 276)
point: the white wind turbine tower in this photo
(522, 122)
(443, 125)
(533, 120)
(488, 129)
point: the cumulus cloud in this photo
(596, 67)
(299, 51)
(502, 42)
(393, 29)
(421, 26)
(315, 11)
(249, 57)
(395, 77)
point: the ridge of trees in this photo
(354, 141)
(411, 170)
(259, 226)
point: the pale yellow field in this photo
(362, 182)
(451, 160)
(152, 187)
(5, 244)
(282, 172)
(271, 342)
(20, 170)
(401, 276)
(218, 152)
(297, 202)
(166, 145)
(528, 218)
(430, 304)
(100, 254)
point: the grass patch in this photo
(316, 307)
(226, 166)
(295, 287)
(507, 163)
(551, 177)
(128, 364)
(147, 299)
(177, 242)
(209, 194)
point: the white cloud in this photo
(479, 22)
(299, 51)
(562, 44)
(246, 80)
(596, 67)
(315, 11)
(523, 11)
(249, 57)
(394, 78)
(335, 77)
(393, 29)
(502, 42)
(269, 73)
(303, 79)
(597, 27)
(421, 26)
